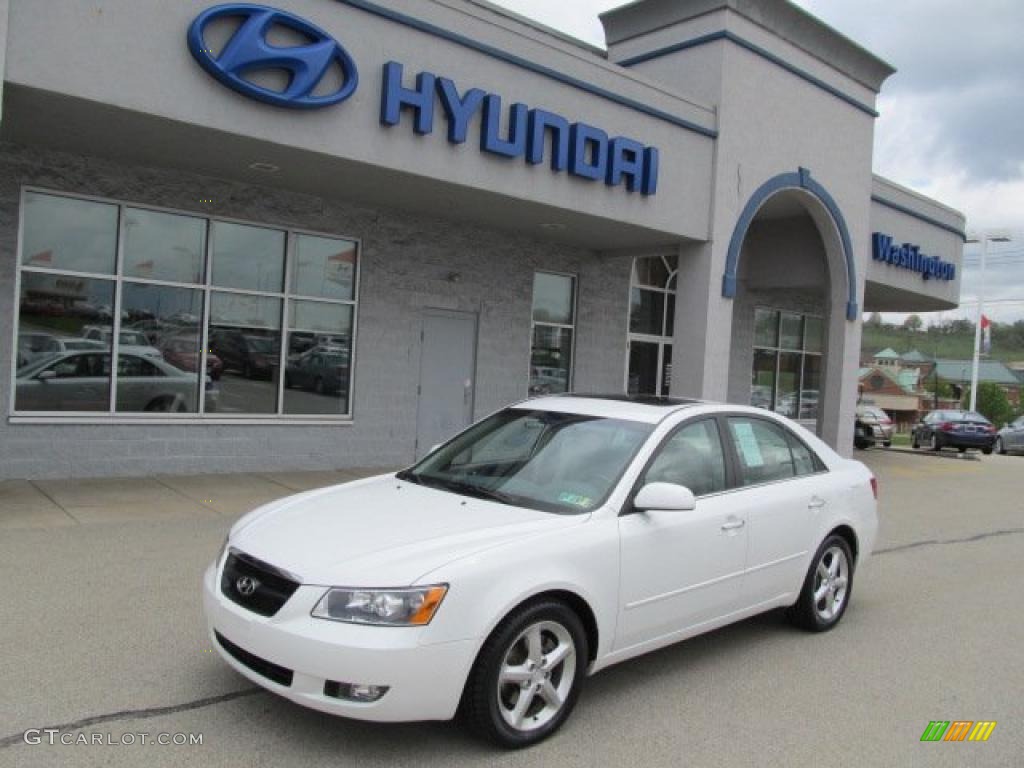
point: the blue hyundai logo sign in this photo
(248, 52)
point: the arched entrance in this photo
(791, 273)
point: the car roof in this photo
(644, 408)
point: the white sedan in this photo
(550, 540)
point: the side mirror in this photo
(47, 375)
(667, 497)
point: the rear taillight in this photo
(874, 487)
(946, 426)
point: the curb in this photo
(970, 455)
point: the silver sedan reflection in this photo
(80, 381)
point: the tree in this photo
(993, 403)
(913, 323)
(875, 319)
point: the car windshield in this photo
(554, 462)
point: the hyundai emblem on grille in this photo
(246, 585)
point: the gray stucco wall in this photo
(406, 262)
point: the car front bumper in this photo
(425, 681)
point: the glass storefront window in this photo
(550, 360)
(762, 385)
(245, 334)
(164, 246)
(647, 312)
(766, 328)
(248, 258)
(68, 234)
(161, 323)
(791, 332)
(167, 359)
(319, 362)
(324, 268)
(651, 272)
(787, 363)
(554, 300)
(810, 393)
(814, 335)
(652, 314)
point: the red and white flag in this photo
(986, 335)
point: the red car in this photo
(183, 354)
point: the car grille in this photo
(271, 671)
(255, 585)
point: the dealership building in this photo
(331, 233)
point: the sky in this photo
(952, 117)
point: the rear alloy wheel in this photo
(1000, 448)
(527, 677)
(827, 587)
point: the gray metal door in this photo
(447, 377)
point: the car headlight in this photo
(412, 607)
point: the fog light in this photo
(361, 692)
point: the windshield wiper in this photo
(472, 489)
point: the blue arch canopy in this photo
(799, 180)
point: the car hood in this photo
(382, 532)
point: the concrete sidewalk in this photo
(59, 503)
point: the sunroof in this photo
(640, 399)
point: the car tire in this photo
(1000, 448)
(887, 443)
(519, 660)
(318, 387)
(933, 442)
(913, 441)
(987, 451)
(827, 587)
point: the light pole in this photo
(984, 238)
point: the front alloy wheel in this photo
(1000, 448)
(827, 587)
(527, 677)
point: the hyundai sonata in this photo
(552, 539)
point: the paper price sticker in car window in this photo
(576, 500)
(747, 443)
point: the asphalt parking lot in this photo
(102, 633)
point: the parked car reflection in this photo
(34, 347)
(80, 381)
(255, 357)
(132, 342)
(324, 371)
(182, 352)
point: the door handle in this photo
(816, 503)
(733, 525)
